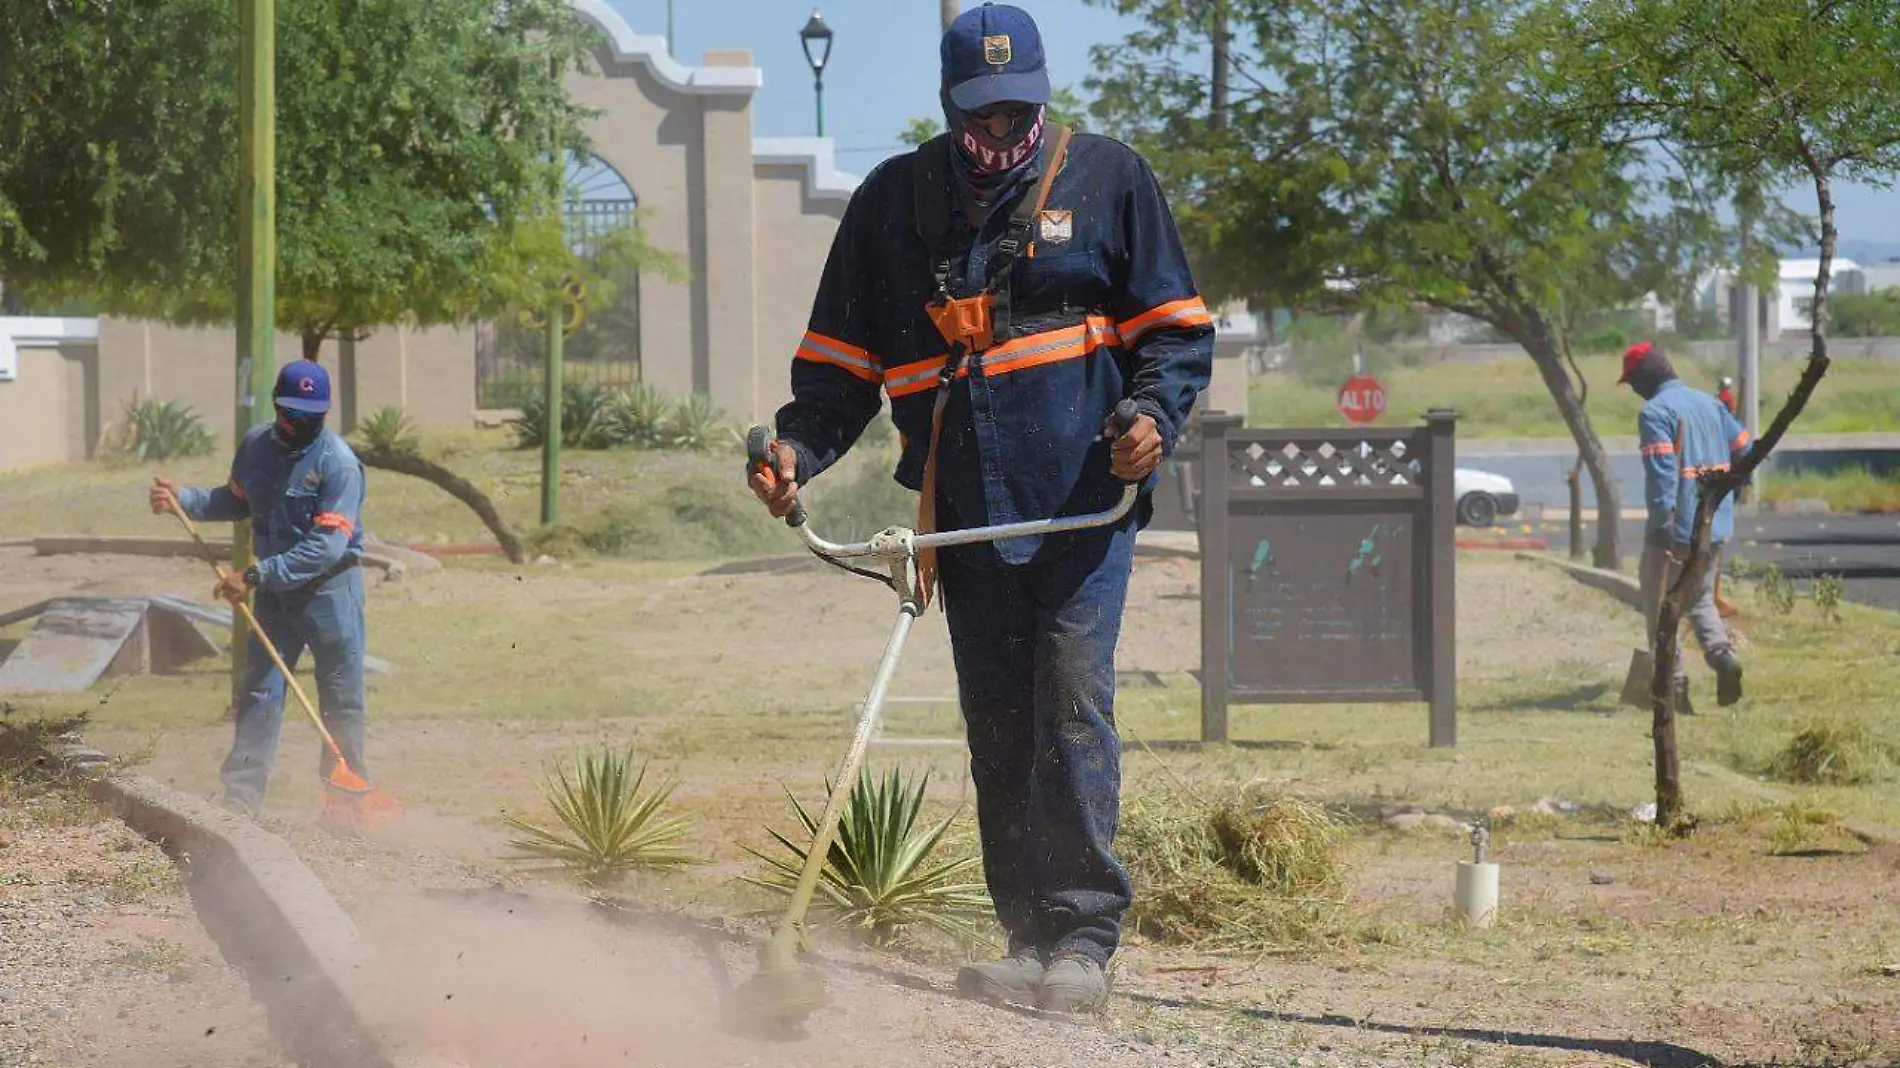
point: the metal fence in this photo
(1328, 564)
(603, 351)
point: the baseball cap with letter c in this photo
(302, 386)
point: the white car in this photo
(1482, 496)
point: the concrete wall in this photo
(47, 415)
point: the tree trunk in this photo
(948, 10)
(1542, 347)
(313, 343)
(1710, 489)
(456, 486)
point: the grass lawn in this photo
(1859, 490)
(1756, 940)
(1507, 399)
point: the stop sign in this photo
(1362, 399)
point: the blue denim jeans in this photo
(1034, 647)
(327, 619)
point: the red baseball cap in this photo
(1633, 358)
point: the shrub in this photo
(1835, 754)
(151, 430)
(389, 429)
(607, 825)
(879, 877)
(588, 419)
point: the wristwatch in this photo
(252, 576)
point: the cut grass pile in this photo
(1836, 754)
(1506, 399)
(1256, 871)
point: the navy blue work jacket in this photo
(1103, 308)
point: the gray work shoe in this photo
(1015, 978)
(1728, 677)
(1073, 984)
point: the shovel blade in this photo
(1636, 684)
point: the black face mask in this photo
(296, 430)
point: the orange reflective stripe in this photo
(335, 521)
(1051, 347)
(1741, 439)
(818, 348)
(906, 379)
(1017, 354)
(1661, 448)
(1188, 312)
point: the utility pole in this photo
(1223, 63)
(256, 263)
(672, 52)
(1748, 337)
(948, 10)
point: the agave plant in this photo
(152, 429)
(608, 825)
(642, 413)
(879, 876)
(587, 418)
(696, 424)
(389, 429)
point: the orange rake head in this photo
(350, 801)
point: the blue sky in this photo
(883, 72)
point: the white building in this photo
(1794, 292)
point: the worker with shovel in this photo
(1683, 432)
(302, 488)
(1007, 285)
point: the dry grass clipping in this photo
(1835, 754)
(1255, 872)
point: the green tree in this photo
(415, 146)
(1875, 314)
(1406, 151)
(1764, 93)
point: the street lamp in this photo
(817, 35)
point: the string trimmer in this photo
(785, 991)
(349, 799)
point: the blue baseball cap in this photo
(302, 386)
(993, 54)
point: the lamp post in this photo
(816, 37)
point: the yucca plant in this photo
(608, 825)
(642, 413)
(587, 419)
(389, 429)
(152, 429)
(696, 424)
(879, 875)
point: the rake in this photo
(349, 798)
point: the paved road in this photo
(1863, 550)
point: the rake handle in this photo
(263, 639)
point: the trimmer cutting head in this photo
(783, 994)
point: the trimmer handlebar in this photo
(759, 458)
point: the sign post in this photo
(1362, 399)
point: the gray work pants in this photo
(1660, 568)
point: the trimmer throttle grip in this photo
(1124, 418)
(758, 455)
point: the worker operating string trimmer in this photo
(1007, 285)
(302, 489)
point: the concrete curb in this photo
(141, 546)
(1621, 587)
(304, 959)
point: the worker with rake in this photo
(1006, 285)
(302, 488)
